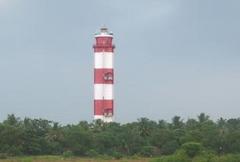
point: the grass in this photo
(72, 159)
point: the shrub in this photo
(204, 156)
(15, 151)
(92, 153)
(134, 157)
(26, 159)
(178, 157)
(192, 148)
(226, 158)
(149, 151)
(105, 157)
(169, 147)
(3, 156)
(117, 155)
(201, 159)
(67, 154)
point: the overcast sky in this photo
(173, 57)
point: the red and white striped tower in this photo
(103, 76)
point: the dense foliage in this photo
(145, 137)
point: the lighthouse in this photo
(103, 76)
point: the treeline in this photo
(143, 137)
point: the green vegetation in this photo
(196, 140)
(72, 159)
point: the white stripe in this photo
(96, 117)
(103, 35)
(108, 119)
(103, 60)
(103, 118)
(108, 61)
(103, 91)
(98, 60)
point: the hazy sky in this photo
(173, 57)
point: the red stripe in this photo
(104, 40)
(103, 48)
(103, 76)
(103, 44)
(103, 106)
